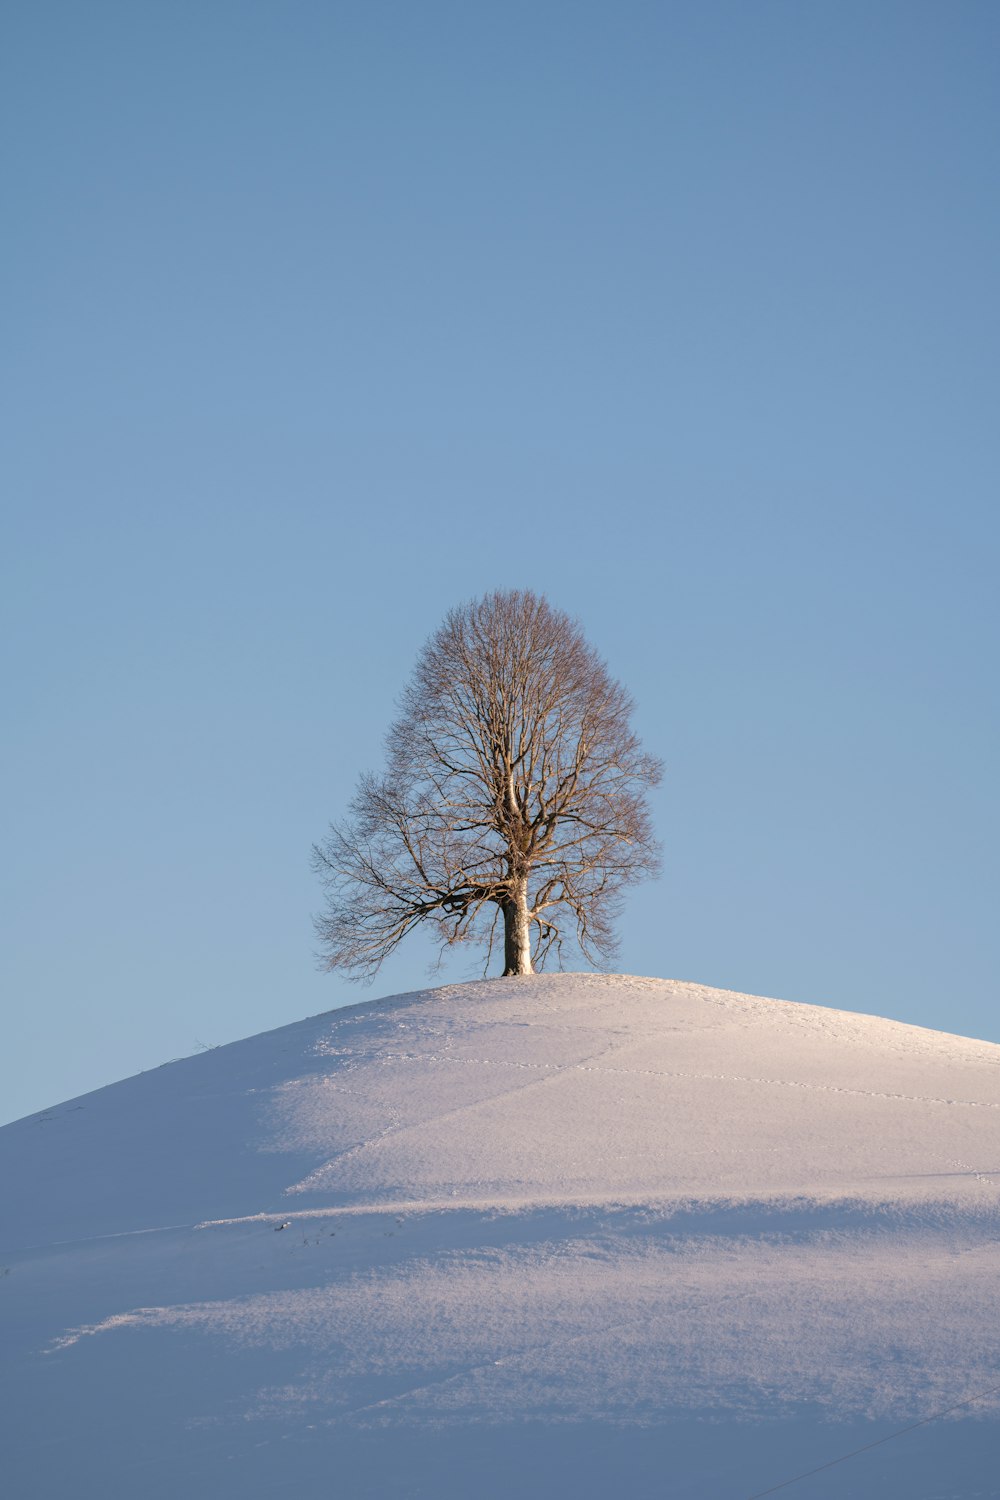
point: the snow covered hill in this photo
(533, 1236)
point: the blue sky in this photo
(321, 318)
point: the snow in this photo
(533, 1236)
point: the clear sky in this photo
(320, 318)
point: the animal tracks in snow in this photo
(554, 1069)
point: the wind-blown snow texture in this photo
(533, 1236)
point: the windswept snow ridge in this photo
(644, 1234)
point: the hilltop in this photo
(532, 1235)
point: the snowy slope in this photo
(535, 1236)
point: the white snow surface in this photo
(527, 1236)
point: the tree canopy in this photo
(513, 802)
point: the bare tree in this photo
(514, 789)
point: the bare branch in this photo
(514, 786)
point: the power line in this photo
(980, 1396)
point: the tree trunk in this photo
(517, 931)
